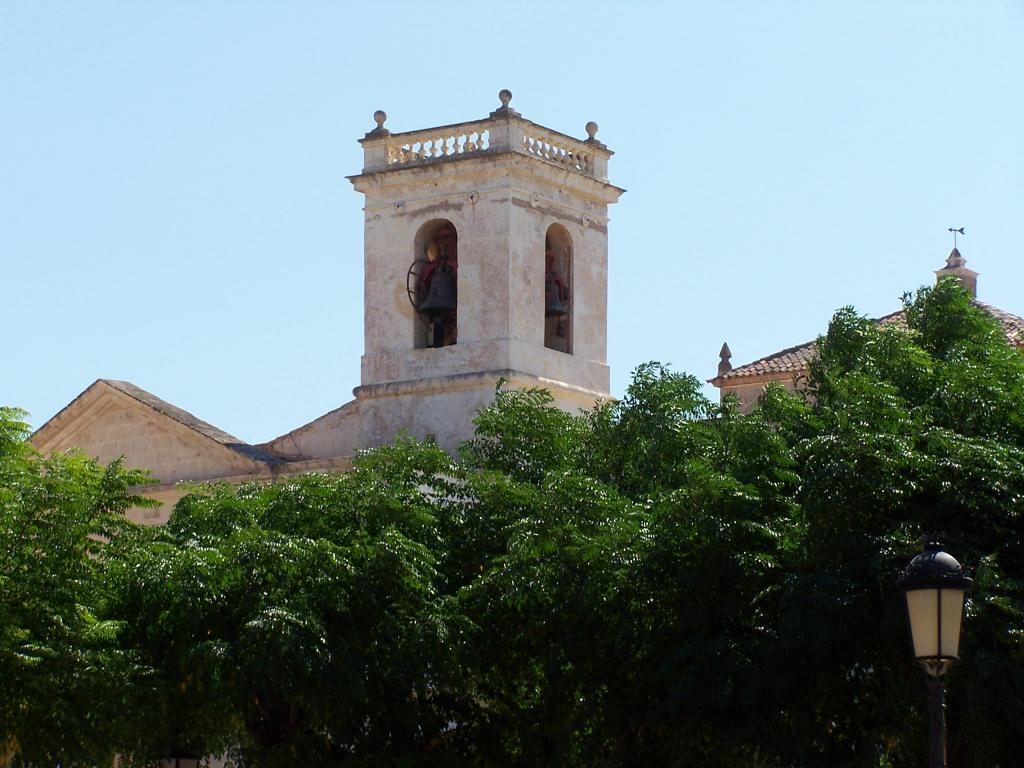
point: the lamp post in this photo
(934, 586)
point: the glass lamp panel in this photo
(923, 608)
(952, 613)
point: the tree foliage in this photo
(65, 677)
(910, 431)
(303, 621)
(660, 581)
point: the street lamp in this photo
(935, 586)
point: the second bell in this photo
(441, 294)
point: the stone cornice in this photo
(485, 165)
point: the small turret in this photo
(956, 267)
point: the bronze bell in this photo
(553, 306)
(441, 293)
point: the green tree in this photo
(65, 679)
(304, 621)
(660, 581)
(621, 616)
(685, 585)
(909, 431)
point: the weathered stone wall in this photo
(337, 433)
(750, 392)
(109, 425)
(501, 205)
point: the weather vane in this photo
(955, 231)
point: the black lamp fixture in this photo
(935, 587)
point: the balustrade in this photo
(504, 131)
(561, 150)
(422, 146)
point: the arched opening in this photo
(558, 289)
(432, 283)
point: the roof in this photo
(1013, 326)
(179, 415)
(794, 361)
(192, 422)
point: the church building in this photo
(790, 367)
(485, 258)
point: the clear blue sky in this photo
(174, 209)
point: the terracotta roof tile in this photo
(789, 360)
(1013, 326)
(795, 360)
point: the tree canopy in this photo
(662, 580)
(66, 680)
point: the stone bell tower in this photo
(486, 251)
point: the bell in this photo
(553, 306)
(440, 293)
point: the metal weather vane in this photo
(955, 231)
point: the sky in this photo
(174, 209)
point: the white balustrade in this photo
(487, 136)
(561, 150)
(422, 146)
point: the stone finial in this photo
(591, 129)
(724, 366)
(379, 117)
(504, 96)
(956, 266)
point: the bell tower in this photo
(485, 257)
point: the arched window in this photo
(433, 285)
(558, 289)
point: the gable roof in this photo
(192, 422)
(793, 361)
(173, 412)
